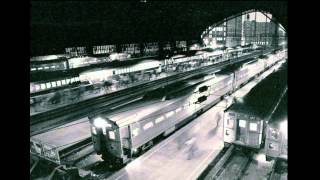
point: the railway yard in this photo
(170, 110)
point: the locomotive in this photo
(246, 121)
(122, 136)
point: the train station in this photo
(159, 90)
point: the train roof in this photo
(47, 57)
(262, 99)
(153, 109)
(140, 113)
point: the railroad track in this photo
(278, 172)
(231, 165)
(85, 107)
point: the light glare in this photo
(101, 123)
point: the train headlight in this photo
(101, 123)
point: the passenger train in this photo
(276, 141)
(247, 122)
(119, 57)
(63, 63)
(100, 75)
(217, 55)
(121, 136)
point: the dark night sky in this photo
(56, 25)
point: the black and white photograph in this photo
(158, 90)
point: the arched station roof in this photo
(56, 25)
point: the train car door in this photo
(254, 133)
(242, 131)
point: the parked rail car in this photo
(119, 57)
(60, 63)
(276, 143)
(105, 74)
(245, 120)
(52, 85)
(117, 138)
(84, 61)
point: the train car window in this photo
(58, 83)
(37, 87)
(43, 86)
(77, 79)
(179, 109)
(48, 85)
(52, 67)
(47, 67)
(67, 81)
(33, 69)
(53, 84)
(159, 119)
(169, 114)
(112, 135)
(40, 68)
(253, 127)
(242, 123)
(148, 125)
(63, 82)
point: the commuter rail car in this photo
(78, 62)
(105, 74)
(245, 120)
(119, 57)
(118, 137)
(48, 63)
(215, 55)
(52, 85)
(276, 143)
